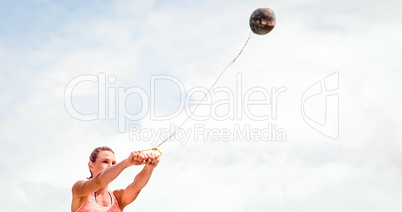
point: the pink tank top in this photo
(90, 205)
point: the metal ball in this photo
(262, 21)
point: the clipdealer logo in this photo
(322, 96)
(319, 108)
(236, 104)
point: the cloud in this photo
(44, 45)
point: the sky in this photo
(306, 119)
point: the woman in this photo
(94, 195)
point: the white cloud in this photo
(45, 150)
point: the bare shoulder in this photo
(77, 185)
(79, 182)
(118, 194)
(77, 200)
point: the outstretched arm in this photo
(102, 179)
(128, 195)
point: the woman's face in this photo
(104, 160)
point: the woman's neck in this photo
(102, 197)
(102, 191)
